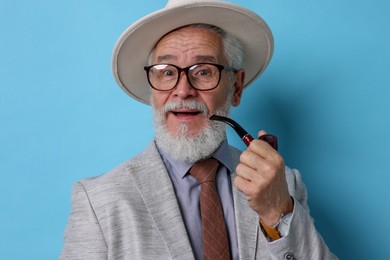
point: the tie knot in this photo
(205, 170)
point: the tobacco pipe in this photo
(244, 135)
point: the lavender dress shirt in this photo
(187, 191)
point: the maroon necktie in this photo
(215, 241)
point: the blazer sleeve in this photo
(83, 237)
(302, 241)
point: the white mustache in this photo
(194, 105)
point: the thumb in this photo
(261, 132)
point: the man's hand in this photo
(261, 178)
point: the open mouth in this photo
(192, 113)
(186, 113)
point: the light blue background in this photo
(325, 94)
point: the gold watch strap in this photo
(272, 232)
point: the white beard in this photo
(190, 148)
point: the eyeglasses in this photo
(201, 76)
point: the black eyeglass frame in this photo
(186, 69)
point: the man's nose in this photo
(183, 87)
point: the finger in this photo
(252, 159)
(255, 163)
(255, 167)
(246, 172)
(263, 149)
(243, 185)
(260, 133)
(248, 157)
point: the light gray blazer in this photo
(131, 212)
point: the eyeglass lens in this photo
(202, 76)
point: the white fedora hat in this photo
(132, 49)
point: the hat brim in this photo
(133, 48)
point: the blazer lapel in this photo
(247, 223)
(155, 186)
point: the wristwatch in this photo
(280, 229)
(283, 224)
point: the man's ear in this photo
(238, 87)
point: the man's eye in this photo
(204, 72)
(168, 73)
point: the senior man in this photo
(190, 195)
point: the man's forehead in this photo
(196, 44)
(197, 58)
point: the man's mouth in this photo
(186, 112)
